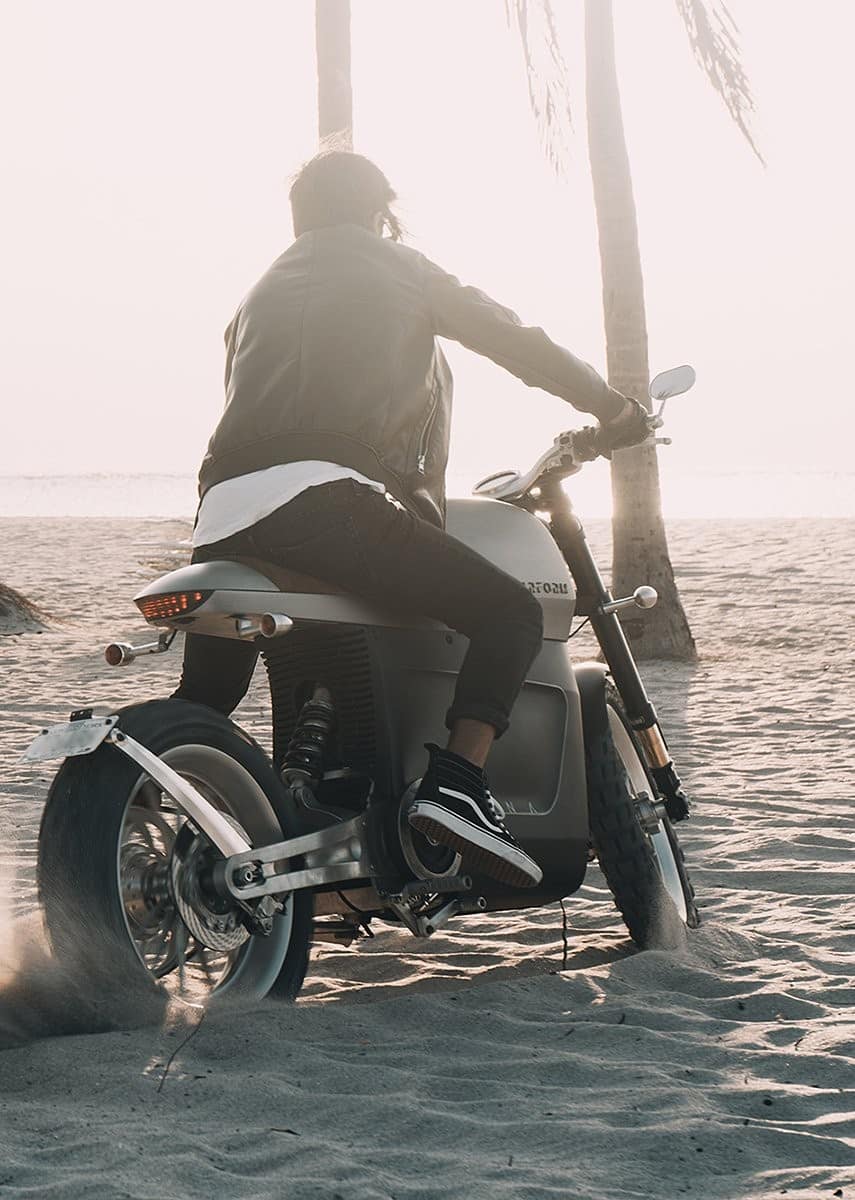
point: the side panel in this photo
(537, 770)
(392, 688)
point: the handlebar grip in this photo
(586, 443)
(618, 435)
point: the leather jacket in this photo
(333, 356)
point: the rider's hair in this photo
(338, 187)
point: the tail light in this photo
(170, 605)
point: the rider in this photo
(330, 457)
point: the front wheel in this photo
(122, 873)
(634, 841)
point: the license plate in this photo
(69, 739)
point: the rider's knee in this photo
(526, 613)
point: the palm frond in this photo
(546, 75)
(713, 37)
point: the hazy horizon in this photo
(146, 189)
(701, 494)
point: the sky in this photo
(146, 162)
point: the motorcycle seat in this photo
(287, 579)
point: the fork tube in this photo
(592, 592)
(570, 538)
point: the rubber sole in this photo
(476, 855)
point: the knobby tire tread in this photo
(78, 839)
(624, 852)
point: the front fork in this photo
(592, 599)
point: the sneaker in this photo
(453, 806)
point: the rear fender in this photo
(591, 681)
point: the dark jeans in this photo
(351, 536)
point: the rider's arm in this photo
(470, 317)
(230, 338)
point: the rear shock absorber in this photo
(303, 765)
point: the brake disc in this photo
(214, 920)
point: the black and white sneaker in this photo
(453, 806)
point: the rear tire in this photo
(637, 848)
(107, 832)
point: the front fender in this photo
(591, 682)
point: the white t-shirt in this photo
(236, 504)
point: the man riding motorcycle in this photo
(330, 458)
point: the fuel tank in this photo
(226, 591)
(520, 544)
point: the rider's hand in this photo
(631, 426)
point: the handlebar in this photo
(570, 451)
(565, 457)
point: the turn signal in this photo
(168, 606)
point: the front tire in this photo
(635, 844)
(105, 854)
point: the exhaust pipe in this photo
(269, 625)
(273, 625)
(119, 654)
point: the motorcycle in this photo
(175, 854)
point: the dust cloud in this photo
(39, 998)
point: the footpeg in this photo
(444, 885)
(455, 908)
(414, 908)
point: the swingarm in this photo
(255, 875)
(340, 853)
(247, 873)
(259, 872)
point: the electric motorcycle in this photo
(175, 853)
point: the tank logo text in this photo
(539, 588)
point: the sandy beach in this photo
(488, 1061)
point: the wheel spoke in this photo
(145, 830)
(164, 874)
(163, 956)
(149, 796)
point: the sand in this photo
(479, 1064)
(18, 614)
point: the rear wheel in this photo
(633, 839)
(122, 873)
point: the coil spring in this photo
(303, 765)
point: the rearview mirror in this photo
(672, 383)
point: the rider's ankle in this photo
(471, 740)
(455, 769)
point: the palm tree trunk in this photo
(335, 97)
(640, 546)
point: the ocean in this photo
(700, 493)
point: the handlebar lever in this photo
(565, 457)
